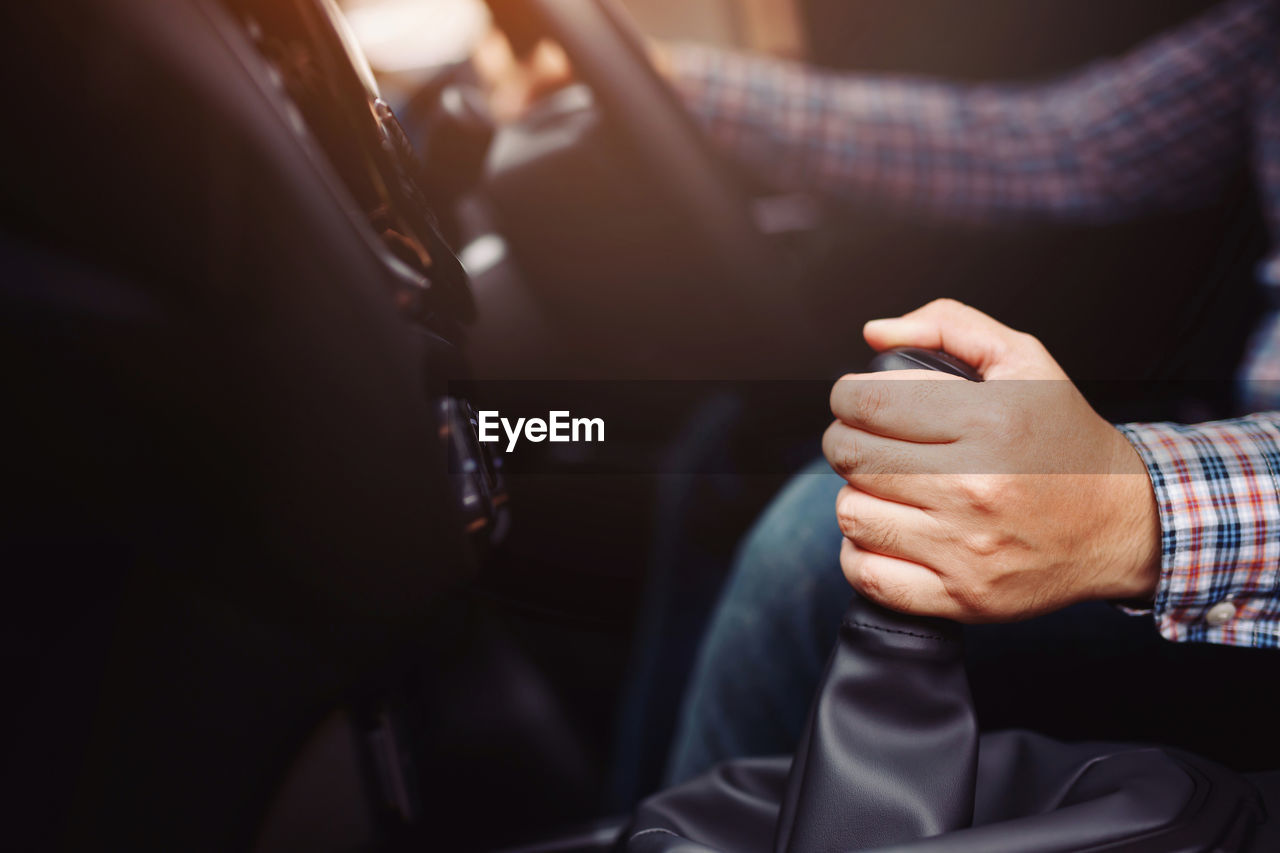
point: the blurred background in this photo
(214, 395)
(1149, 316)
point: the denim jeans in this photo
(768, 639)
(1086, 672)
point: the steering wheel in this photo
(608, 54)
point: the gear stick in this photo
(890, 759)
(892, 719)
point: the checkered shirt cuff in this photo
(1217, 486)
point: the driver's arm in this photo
(1157, 128)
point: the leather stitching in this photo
(870, 627)
(653, 829)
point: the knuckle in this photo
(846, 512)
(865, 578)
(851, 565)
(985, 417)
(880, 586)
(869, 402)
(841, 449)
(830, 439)
(839, 390)
(1028, 341)
(946, 304)
(985, 544)
(870, 534)
(977, 601)
(877, 536)
(1018, 430)
(976, 491)
(982, 492)
(1003, 419)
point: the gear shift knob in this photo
(915, 358)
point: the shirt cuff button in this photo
(1220, 614)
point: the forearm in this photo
(1158, 128)
(1217, 487)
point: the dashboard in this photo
(332, 98)
(313, 59)
(231, 327)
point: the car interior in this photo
(265, 587)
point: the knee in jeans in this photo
(795, 540)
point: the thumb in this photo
(950, 326)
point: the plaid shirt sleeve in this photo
(1218, 489)
(1158, 128)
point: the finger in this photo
(912, 405)
(889, 528)
(885, 467)
(897, 584)
(549, 69)
(492, 58)
(950, 326)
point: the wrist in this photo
(1137, 554)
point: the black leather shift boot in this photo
(888, 755)
(892, 721)
(890, 761)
